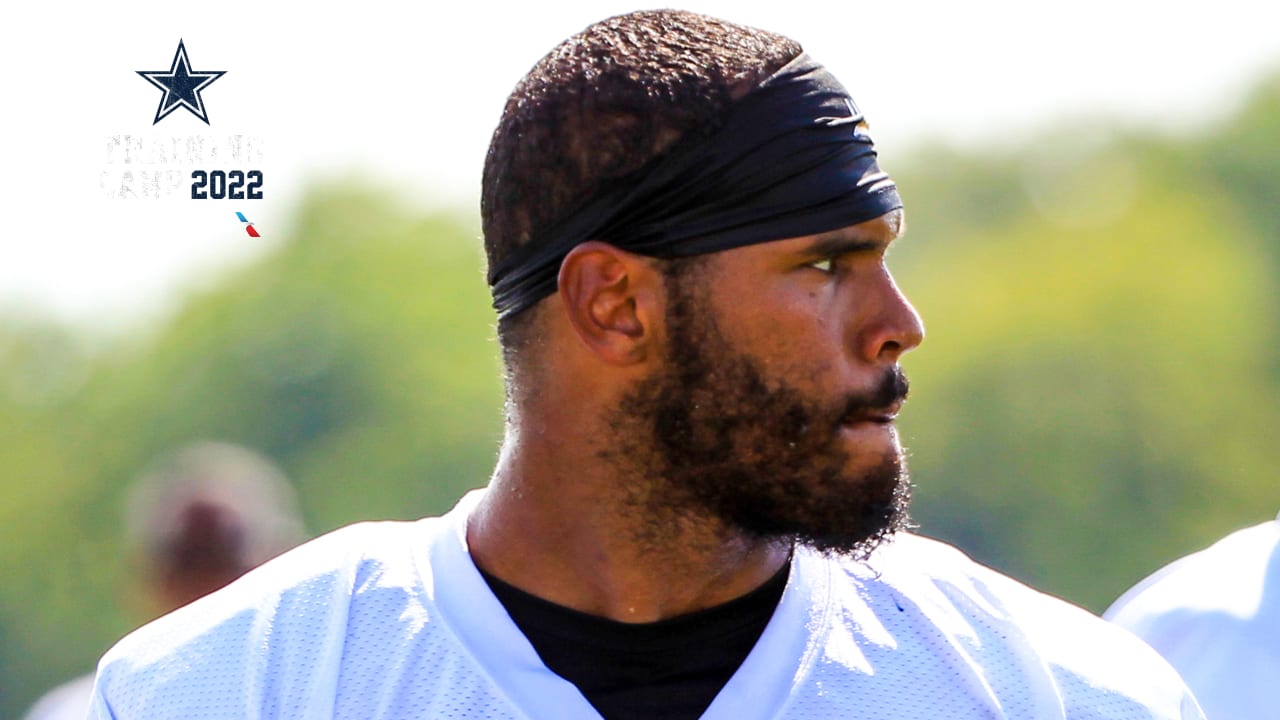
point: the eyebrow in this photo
(833, 245)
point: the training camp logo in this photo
(147, 166)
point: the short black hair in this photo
(602, 105)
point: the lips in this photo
(881, 416)
(881, 404)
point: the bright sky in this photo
(408, 95)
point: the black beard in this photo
(710, 437)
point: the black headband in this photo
(791, 159)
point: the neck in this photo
(563, 523)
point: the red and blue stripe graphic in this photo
(248, 226)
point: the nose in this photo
(892, 328)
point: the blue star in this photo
(181, 86)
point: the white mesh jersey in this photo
(392, 620)
(1215, 615)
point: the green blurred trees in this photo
(1097, 395)
(1098, 392)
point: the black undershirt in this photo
(669, 669)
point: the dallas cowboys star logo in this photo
(181, 86)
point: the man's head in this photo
(204, 515)
(711, 284)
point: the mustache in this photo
(891, 389)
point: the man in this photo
(1215, 616)
(686, 230)
(198, 519)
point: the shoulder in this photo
(314, 579)
(1215, 616)
(1016, 638)
(1229, 578)
(273, 635)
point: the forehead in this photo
(874, 234)
(881, 230)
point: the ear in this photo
(609, 296)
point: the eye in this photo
(826, 265)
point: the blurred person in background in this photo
(197, 520)
(1215, 616)
(699, 507)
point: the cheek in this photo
(795, 343)
(792, 325)
(812, 322)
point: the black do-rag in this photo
(792, 158)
